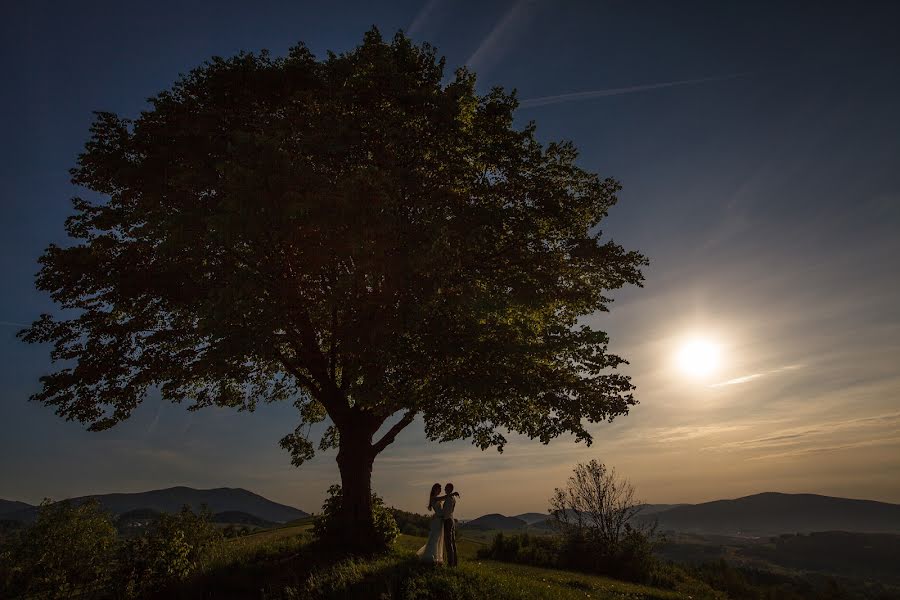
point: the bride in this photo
(433, 550)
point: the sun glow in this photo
(698, 357)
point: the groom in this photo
(449, 527)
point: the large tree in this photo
(352, 234)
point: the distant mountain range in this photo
(532, 518)
(763, 514)
(219, 500)
(773, 513)
(495, 521)
(757, 515)
(12, 506)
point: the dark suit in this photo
(450, 532)
(450, 542)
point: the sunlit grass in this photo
(257, 556)
(520, 581)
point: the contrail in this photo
(544, 100)
(492, 47)
(422, 17)
(12, 324)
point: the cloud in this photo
(494, 45)
(746, 378)
(12, 324)
(422, 18)
(572, 96)
(836, 448)
(669, 435)
(815, 434)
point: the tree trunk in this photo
(356, 526)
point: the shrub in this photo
(173, 548)
(631, 558)
(596, 513)
(537, 551)
(66, 553)
(324, 528)
(411, 523)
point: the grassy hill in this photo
(275, 564)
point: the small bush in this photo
(597, 515)
(674, 577)
(66, 553)
(630, 559)
(412, 523)
(172, 549)
(325, 528)
(537, 551)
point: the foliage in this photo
(595, 513)
(173, 547)
(326, 527)
(67, 553)
(411, 523)
(553, 552)
(539, 551)
(354, 234)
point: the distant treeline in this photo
(411, 523)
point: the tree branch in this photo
(388, 438)
(300, 376)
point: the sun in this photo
(698, 357)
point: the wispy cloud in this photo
(668, 435)
(754, 376)
(423, 17)
(12, 324)
(494, 45)
(814, 434)
(587, 95)
(886, 441)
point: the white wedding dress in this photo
(433, 550)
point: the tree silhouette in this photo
(351, 234)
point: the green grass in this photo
(536, 583)
(266, 536)
(465, 547)
(279, 564)
(521, 581)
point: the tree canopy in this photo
(355, 234)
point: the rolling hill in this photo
(769, 513)
(533, 518)
(773, 513)
(495, 521)
(172, 499)
(12, 506)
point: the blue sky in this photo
(758, 146)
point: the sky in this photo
(759, 149)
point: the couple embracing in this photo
(442, 529)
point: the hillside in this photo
(237, 517)
(533, 518)
(773, 513)
(12, 506)
(652, 509)
(172, 499)
(495, 521)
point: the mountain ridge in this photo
(765, 513)
(173, 498)
(770, 513)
